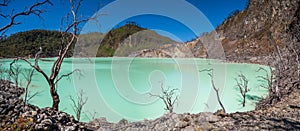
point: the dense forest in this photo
(28, 43)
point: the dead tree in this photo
(242, 84)
(91, 115)
(211, 75)
(27, 74)
(78, 104)
(297, 62)
(286, 61)
(14, 72)
(69, 37)
(4, 73)
(31, 10)
(167, 97)
(268, 77)
(273, 79)
(293, 47)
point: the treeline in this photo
(27, 44)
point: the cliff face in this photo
(260, 27)
(257, 30)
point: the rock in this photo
(189, 128)
(123, 122)
(181, 124)
(101, 120)
(38, 127)
(174, 116)
(46, 122)
(220, 113)
(46, 128)
(159, 127)
(206, 126)
(70, 128)
(33, 113)
(81, 126)
(207, 117)
(63, 119)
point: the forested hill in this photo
(112, 39)
(27, 44)
(128, 39)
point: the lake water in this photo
(119, 88)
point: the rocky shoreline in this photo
(14, 115)
(283, 115)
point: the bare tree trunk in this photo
(55, 96)
(244, 100)
(211, 74)
(217, 93)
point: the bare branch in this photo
(33, 95)
(32, 10)
(36, 67)
(242, 84)
(28, 77)
(167, 97)
(209, 70)
(268, 78)
(14, 72)
(4, 3)
(78, 105)
(66, 75)
(91, 116)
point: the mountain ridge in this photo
(27, 43)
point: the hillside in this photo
(128, 39)
(122, 41)
(256, 33)
(26, 44)
(261, 29)
(88, 44)
(265, 25)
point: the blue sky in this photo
(214, 10)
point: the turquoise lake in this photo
(119, 88)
